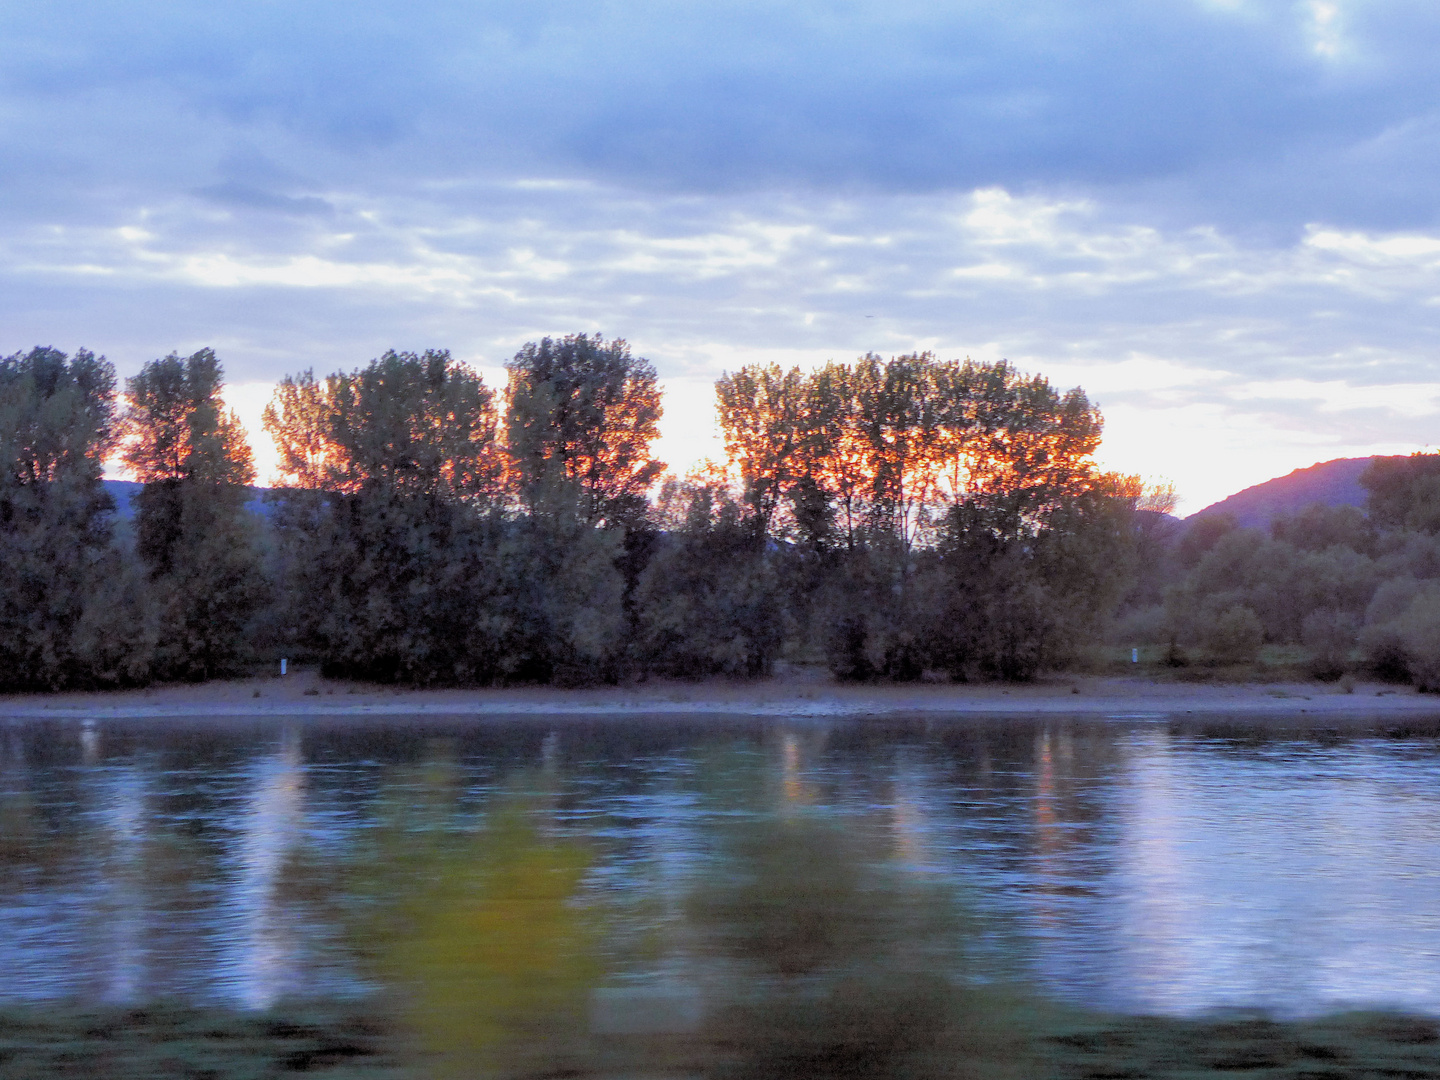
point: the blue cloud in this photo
(1211, 111)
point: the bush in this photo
(1394, 636)
(1420, 633)
(1329, 635)
(870, 612)
(1142, 626)
(1233, 636)
(709, 603)
(1408, 646)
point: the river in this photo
(1140, 864)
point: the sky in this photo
(1222, 219)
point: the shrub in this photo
(1233, 636)
(1329, 635)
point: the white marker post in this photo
(282, 666)
(1134, 659)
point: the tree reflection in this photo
(476, 930)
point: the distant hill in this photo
(124, 492)
(1331, 483)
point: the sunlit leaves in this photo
(176, 426)
(404, 423)
(583, 413)
(892, 443)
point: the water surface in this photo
(1140, 865)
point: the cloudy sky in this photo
(1220, 218)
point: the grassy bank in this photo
(161, 1042)
(165, 1042)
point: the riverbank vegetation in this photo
(884, 519)
(172, 1042)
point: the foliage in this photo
(1025, 578)
(168, 1041)
(892, 444)
(1330, 635)
(1404, 492)
(419, 573)
(1280, 582)
(1232, 635)
(939, 514)
(901, 518)
(1321, 528)
(175, 425)
(193, 533)
(62, 569)
(1401, 638)
(708, 603)
(478, 932)
(419, 424)
(582, 415)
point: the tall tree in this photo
(60, 612)
(894, 443)
(1404, 492)
(767, 424)
(406, 422)
(300, 420)
(404, 565)
(197, 539)
(709, 602)
(176, 426)
(582, 416)
(913, 463)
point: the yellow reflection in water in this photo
(493, 959)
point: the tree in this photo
(176, 426)
(1020, 580)
(880, 468)
(767, 428)
(406, 423)
(194, 533)
(1404, 492)
(709, 602)
(300, 421)
(892, 444)
(582, 416)
(62, 612)
(401, 563)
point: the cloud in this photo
(1325, 346)
(1248, 111)
(1219, 217)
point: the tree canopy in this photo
(583, 413)
(176, 427)
(893, 444)
(421, 423)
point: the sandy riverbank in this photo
(307, 694)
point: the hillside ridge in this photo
(1331, 483)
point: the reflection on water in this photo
(265, 946)
(635, 876)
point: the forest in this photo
(886, 519)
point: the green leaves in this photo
(60, 570)
(582, 415)
(176, 426)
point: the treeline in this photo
(1346, 590)
(889, 518)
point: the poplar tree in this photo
(582, 414)
(404, 562)
(60, 611)
(901, 484)
(199, 543)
